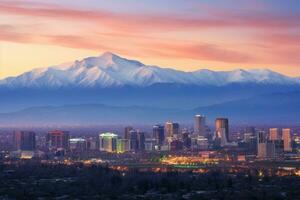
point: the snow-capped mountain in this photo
(110, 70)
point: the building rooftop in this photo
(108, 134)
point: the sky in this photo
(182, 34)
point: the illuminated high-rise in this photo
(58, 140)
(141, 140)
(261, 145)
(159, 134)
(199, 125)
(286, 137)
(24, 140)
(186, 139)
(273, 134)
(265, 148)
(127, 132)
(108, 142)
(78, 144)
(123, 145)
(222, 129)
(133, 138)
(171, 129)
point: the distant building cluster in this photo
(263, 144)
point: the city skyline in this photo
(221, 35)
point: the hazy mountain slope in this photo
(86, 114)
(158, 95)
(279, 108)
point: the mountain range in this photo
(110, 70)
(111, 89)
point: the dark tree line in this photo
(33, 181)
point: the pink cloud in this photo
(200, 51)
(166, 49)
(283, 39)
(135, 32)
(126, 21)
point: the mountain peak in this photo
(108, 54)
(109, 60)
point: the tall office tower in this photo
(126, 133)
(58, 140)
(159, 134)
(271, 151)
(171, 129)
(78, 144)
(108, 142)
(265, 149)
(286, 137)
(186, 139)
(261, 145)
(273, 134)
(222, 129)
(24, 140)
(17, 140)
(133, 137)
(252, 145)
(199, 125)
(221, 137)
(141, 140)
(123, 145)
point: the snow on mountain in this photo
(110, 70)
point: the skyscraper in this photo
(126, 132)
(133, 138)
(186, 139)
(265, 149)
(171, 129)
(286, 137)
(78, 144)
(158, 134)
(141, 140)
(273, 134)
(222, 135)
(24, 140)
(199, 125)
(58, 140)
(108, 142)
(222, 129)
(123, 145)
(261, 145)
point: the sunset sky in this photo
(184, 34)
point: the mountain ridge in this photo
(111, 70)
